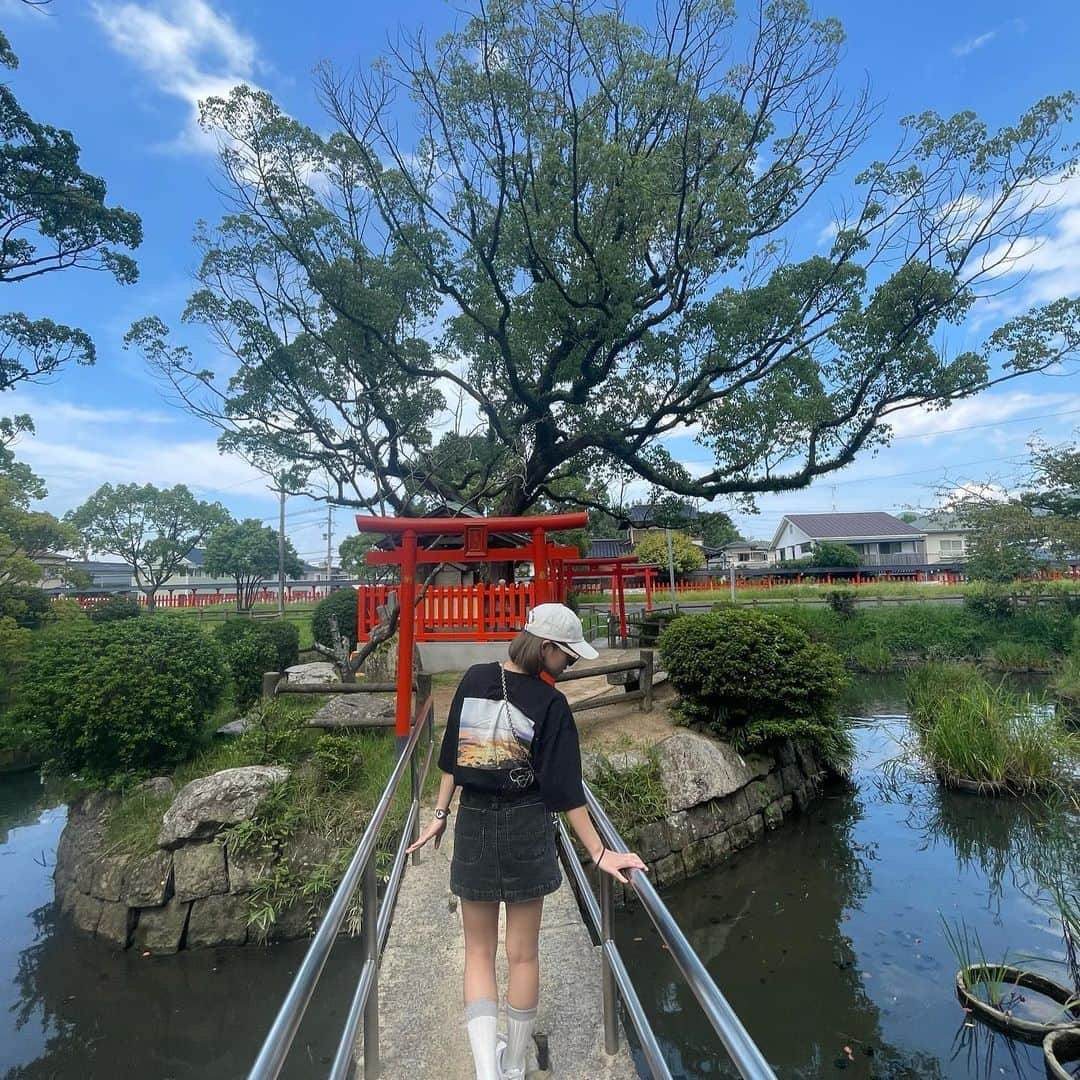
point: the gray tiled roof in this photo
(874, 523)
(608, 549)
(939, 523)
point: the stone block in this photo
(760, 765)
(774, 782)
(668, 870)
(756, 825)
(695, 769)
(161, 930)
(109, 876)
(739, 836)
(116, 924)
(792, 777)
(732, 811)
(85, 867)
(802, 795)
(653, 841)
(68, 895)
(785, 753)
(86, 913)
(294, 922)
(149, 880)
(707, 853)
(678, 830)
(248, 868)
(217, 920)
(757, 797)
(703, 820)
(199, 870)
(773, 815)
(806, 759)
(787, 804)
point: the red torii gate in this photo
(474, 548)
(618, 568)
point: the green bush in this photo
(826, 554)
(654, 623)
(842, 601)
(252, 648)
(343, 604)
(754, 678)
(1020, 656)
(871, 656)
(114, 608)
(989, 600)
(119, 698)
(27, 605)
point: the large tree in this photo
(53, 217)
(151, 529)
(247, 552)
(594, 241)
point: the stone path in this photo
(422, 1030)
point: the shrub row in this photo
(251, 648)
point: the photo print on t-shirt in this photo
(488, 738)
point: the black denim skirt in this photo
(504, 849)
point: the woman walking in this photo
(511, 746)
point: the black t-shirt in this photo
(527, 743)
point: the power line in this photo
(979, 427)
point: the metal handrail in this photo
(616, 982)
(374, 926)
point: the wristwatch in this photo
(441, 815)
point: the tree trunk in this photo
(151, 599)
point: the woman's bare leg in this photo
(481, 922)
(523, 952)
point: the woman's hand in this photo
(612, 862)
(435, 829)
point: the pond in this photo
(70, 1007)
(827, 939)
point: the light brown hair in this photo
(527, 652)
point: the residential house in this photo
(946, 538)
(641, 519)
(880, 539)
(193, 575)
(105, 577)
(740, 554)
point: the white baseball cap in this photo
(556, 622)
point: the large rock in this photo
(248, 868)
(207, 805)
(115, 925)
(199, 870)
(695, 769)
(356, 711)
(318, 673)
(217, 920)
(149, 880)
(161, 930)
(86, 913)
(110, 875)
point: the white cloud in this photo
(977, 413)
(67, 412)
(187, 49)
(970, 46)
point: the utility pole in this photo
(280, 489)
(671, 569)
(329, 542)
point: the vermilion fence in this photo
(188, 600)
(454, 612)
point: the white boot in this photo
(519, 1031)
(481, 1020)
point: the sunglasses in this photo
(571, 657)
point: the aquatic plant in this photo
(1020, 656)
(971, 732)
(873, 656)
(967, 949)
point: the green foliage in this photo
(653, 623)
(831, 740)
(970, 730)
(114, 608)
(830, 555)
(119, 698)
(151, 529)
(716, 528)
(842, 601)
(1020, 656)
(873, 656)
(353, 551)
(247, 552)
(738, 668)
(652, 548)
(632, 793)
(343, 604)
(990, 600)
(27, 605)
(14, 645)
(253, 648)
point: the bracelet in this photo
(603, 852)
(441, 815)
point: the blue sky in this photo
(125, 77)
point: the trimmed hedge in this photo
(252, 648)
(754, 678)
(343, 604)
(126, 697)
(115, 608)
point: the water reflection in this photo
(826, 937)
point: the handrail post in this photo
(647, 680)
(369, 937)
(607, 974)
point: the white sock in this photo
(481, 1019)
(519, 1024)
